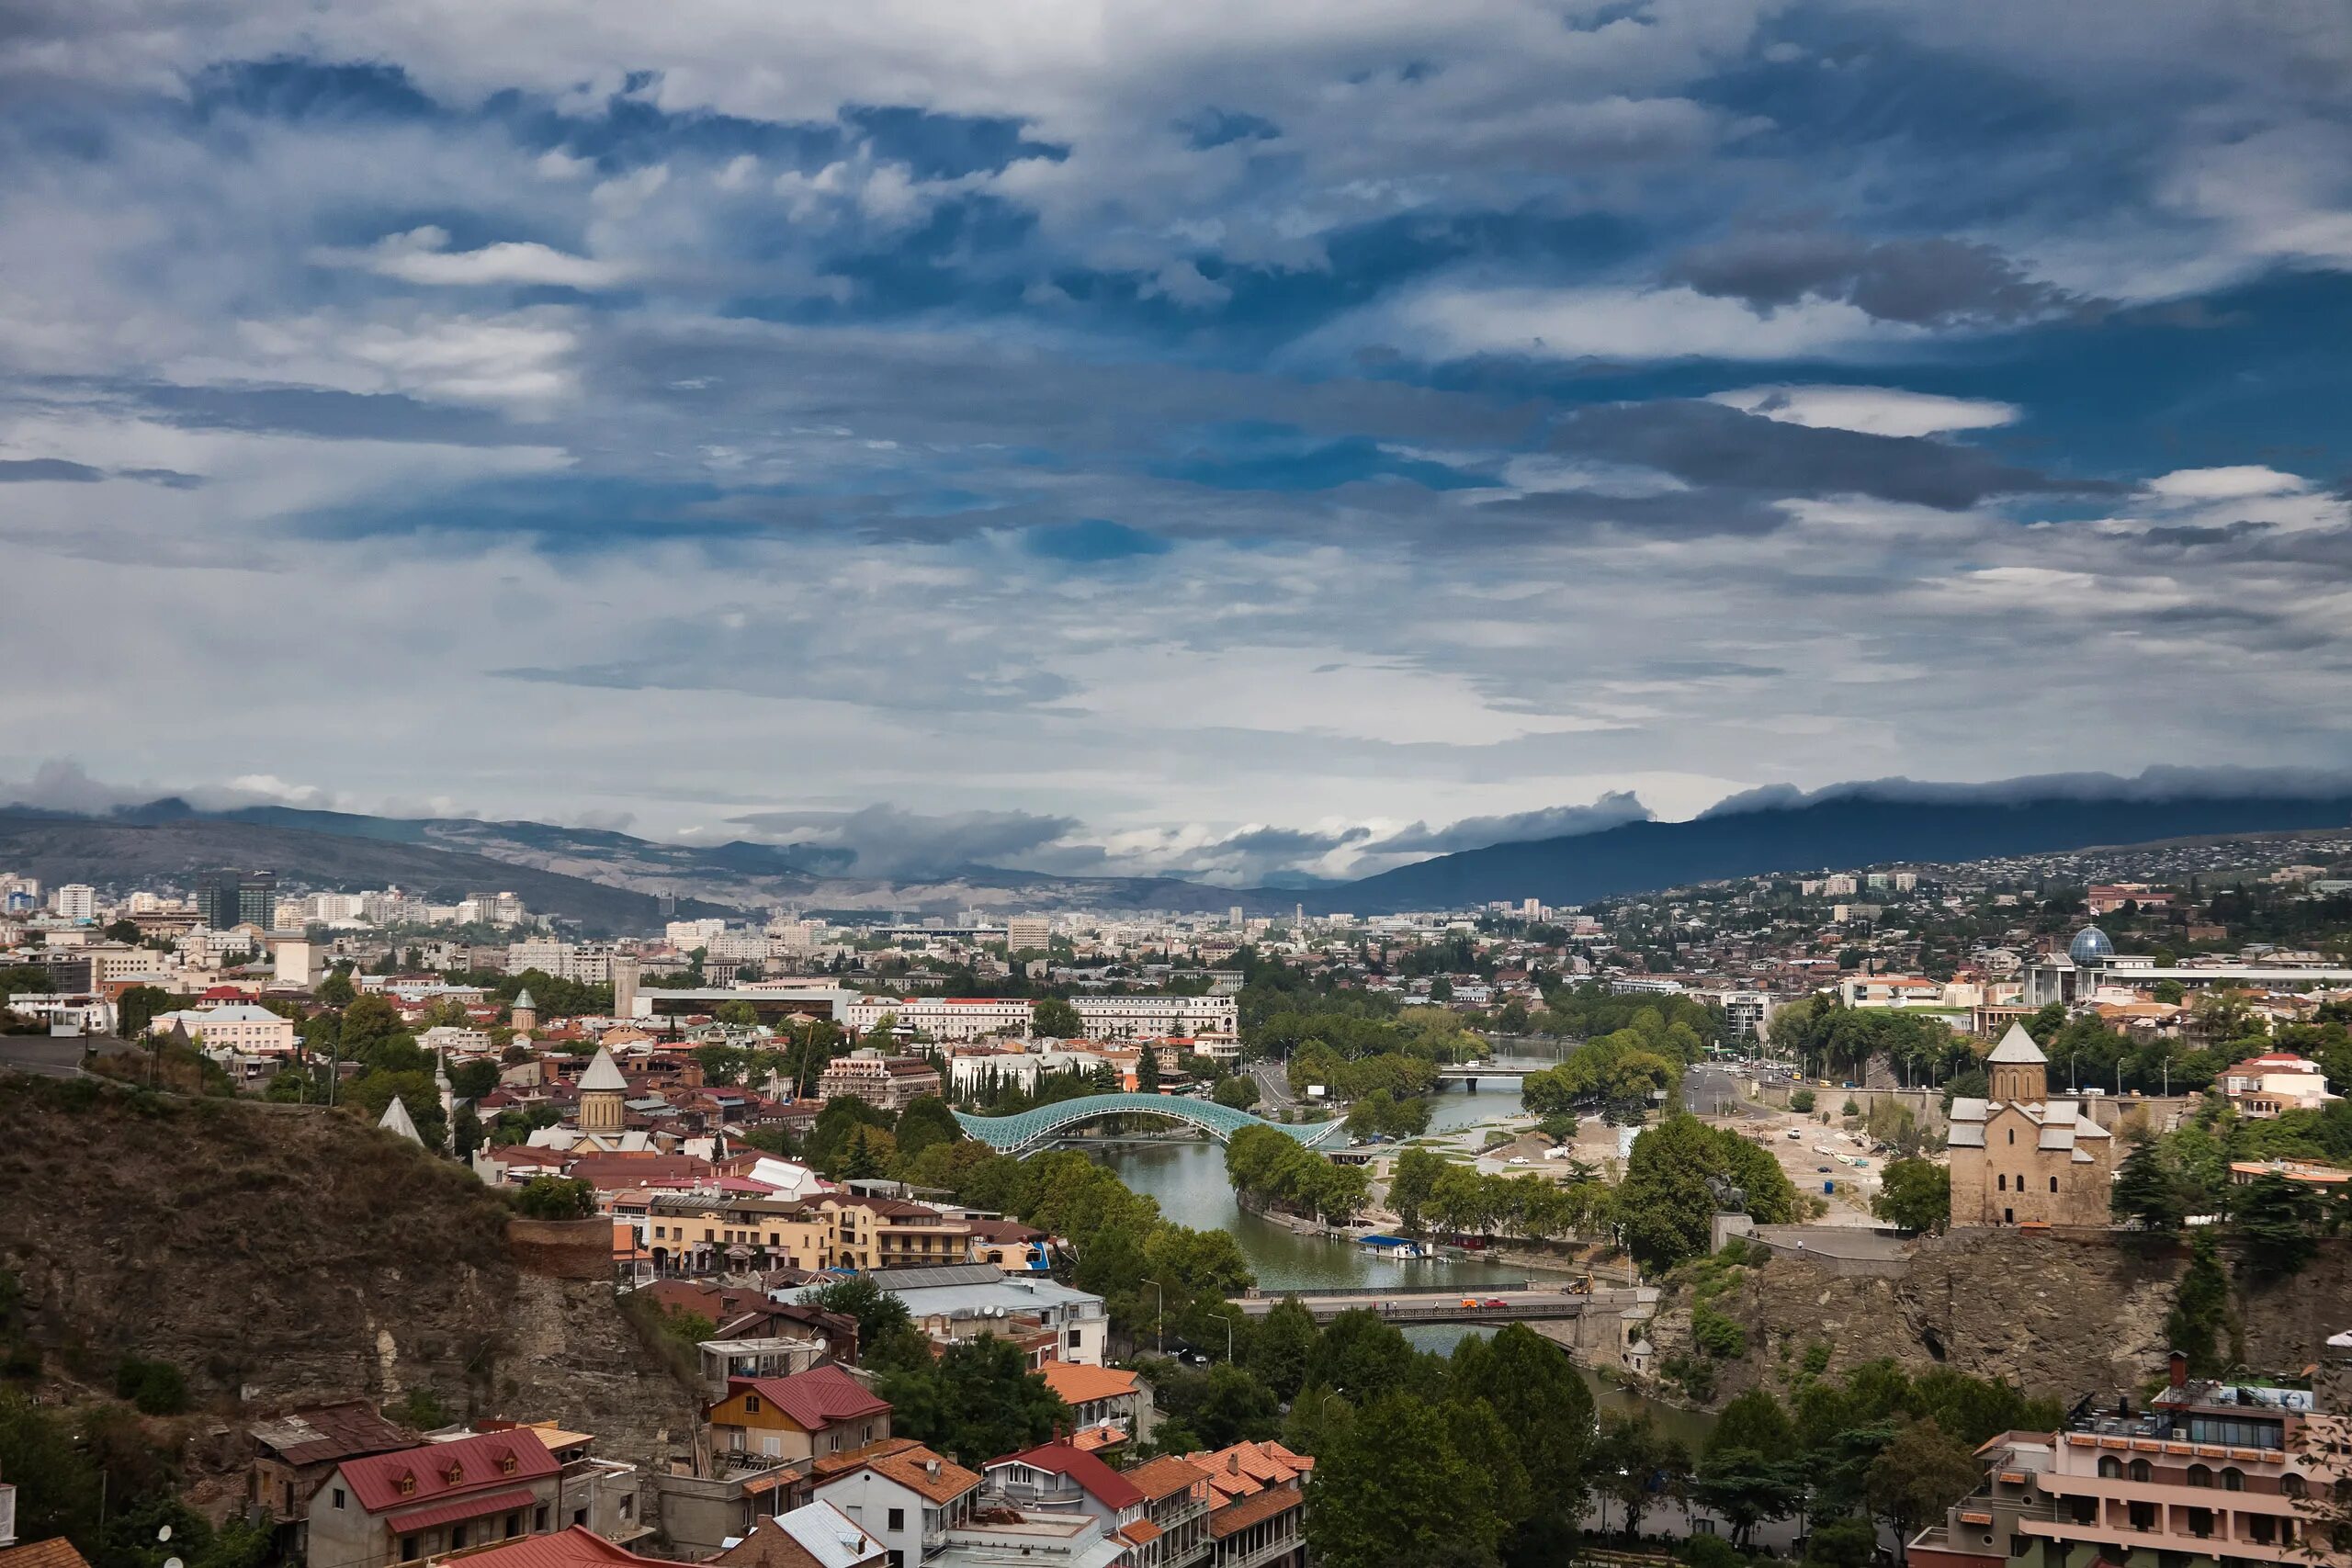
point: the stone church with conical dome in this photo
(2020, 1158)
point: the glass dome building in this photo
(2091, 948)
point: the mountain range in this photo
(608, 881)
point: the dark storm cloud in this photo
(1708, 444)
(1933, 282)
(47, 471)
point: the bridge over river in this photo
(1029, 1131)
(1523, 1303)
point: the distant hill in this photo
(1842, 832)
(605, 880)
(127, 851)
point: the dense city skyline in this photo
(1168, 420)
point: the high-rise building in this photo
(228, 898)
(75, 901)
(1024, 931)
(624, 967)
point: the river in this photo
(1188, 1181)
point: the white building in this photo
(2280, 1081)
(239, 1027)
(75, 901)
(958, 1018)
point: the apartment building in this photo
(2204, 1473)
(961, 1018)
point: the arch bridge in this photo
(1026, 1131)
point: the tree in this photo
(336, 990)
(2147, 1193)
(877, 1312)
(1148, 1070)
(125, 930)
(1280, 1345)
(926, 1121)
(1054, 1019)
(1238, 1092)
(1411, 1182)
(1918, 1475)
(1634, 1462)
(978, 1400)
(2273, 1228)
(1916, 1196)
(737, 1014)
(1667, 1208)
(1751, 1472)
(1848, 1543)
(1541, 1401)
(554, 1198)
(137, 1008)
(471, 1080)
(1360, 1354)
(1394, 1492)
(465, 1136)
(2200, 1309)
(1801, 1101)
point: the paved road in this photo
(1273, 1086)
(1705, 1090)
(42, 1055)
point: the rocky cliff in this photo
(280, 1254)
(2061, 1313)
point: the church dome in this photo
(2091, 946)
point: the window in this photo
(2234, 1479)
(2143, 1472)
(2144, 1516)
(514, 1523)
(750, 1405)
(2261, 1526)
(539, 1517)
(2013, 1134)
(2111, 1468)
(2053, 1184)
(1073, 1338)
(898, 1519)
(2002, 1181)
(457, 1538)
(2293, 1485)
(580, 1517)
(2201, 1475)
(2008, 1216)
(408, 1548)
(629, 1505)
(338, 1497)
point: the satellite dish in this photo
(173, 1563)
(164, 1534)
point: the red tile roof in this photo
(816, 1398)
(1241, 1514)
(1165, 1476)
(1098, 1480)
(55, 1553)
(479, 1462)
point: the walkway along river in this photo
(1188, 1181)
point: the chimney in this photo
(1233, 1461)
(931, 1468)
(2178, 1363)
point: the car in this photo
(1519, 1159)
(1821, 1168)
(1796, 1134)
(1470, 1300)
(1496, 1302)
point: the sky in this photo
(1204, 437)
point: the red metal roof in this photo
(1102, 1484)
(481, 1464)
(816, 1398)
(577, 1547)
(472, 1507)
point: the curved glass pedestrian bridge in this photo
(1029, 1131)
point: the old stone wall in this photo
(2060, 1313)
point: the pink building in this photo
(2203, 1473)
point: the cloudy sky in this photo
(1180, 425)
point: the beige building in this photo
(2020, 1158)
(887, 1083)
